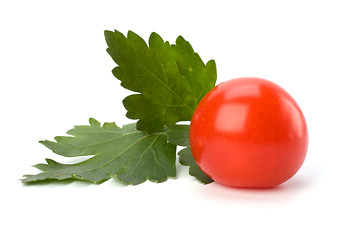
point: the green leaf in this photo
(186, 158)
(169, 79)
(201, 77)
(178, 134)
(124, 153)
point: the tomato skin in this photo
(248, 132)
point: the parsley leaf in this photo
(179, 135)
(125, 153)
(170, 79)
(186, 158)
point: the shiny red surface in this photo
(249, 132)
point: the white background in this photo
(55, 73)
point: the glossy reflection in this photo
(246, 90)
(231, 118)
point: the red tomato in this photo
(248, 132)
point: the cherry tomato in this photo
(248, 132)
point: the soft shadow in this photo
(57, 183)
(289, 191)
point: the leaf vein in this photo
(160, 80)
(141, 157)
